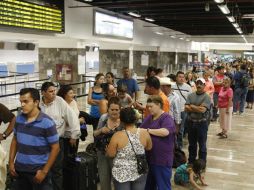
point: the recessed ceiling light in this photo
(219, 1)
(172, 36)
(181, 38)
(134, 14)
(187, 40)
(231, 18)
(149, 19)
(224, 9)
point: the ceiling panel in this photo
(186, 16)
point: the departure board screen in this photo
(34, 15)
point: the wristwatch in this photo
(4, 135)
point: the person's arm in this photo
(72, 120)
(111, 150)
(187, 108)
(201, 179)
(41, 174)
(12, 155)
(103, 106)
(9, 129)
(149, 143)
(130, 101)
(192, 181)
(91, 101)
(199, 109)
(136, 88)
(101, 129)
(162, 132)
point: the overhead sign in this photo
(112, 26)
(24, 14)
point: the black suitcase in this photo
(80, 173)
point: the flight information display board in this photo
(31, 15)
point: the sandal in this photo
(223, 136)
(220, 134)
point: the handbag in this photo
(142, 165)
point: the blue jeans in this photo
(24, 181)
(239, 96)
(182, 130)
(138, 184)
(197, 135)
(158, 178)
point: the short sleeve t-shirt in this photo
(218, 78)
(33, 142)
(131, 84)
(162, 151)
(224, 96)
(5, 114)
(198, 99)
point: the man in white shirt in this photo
(174, 100)
(64, 117)
(183, 90)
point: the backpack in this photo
(244, 82)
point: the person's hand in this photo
(204, 184)
(1, 137)
(82, 120)
(105, 130)
(137, 105)
(40, 176)
(73, 142)
(12, 170)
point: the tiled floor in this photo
(230, 161)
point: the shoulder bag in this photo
(142, 165)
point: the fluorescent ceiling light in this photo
(239, 30)
(231, 18)
(134, 14)
(159, 33)
(235, 25)
(181, 38)
(248, 16)
(219, 1)
(224, 9)
(172, 36)
(149, 19)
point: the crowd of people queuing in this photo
(179, 105)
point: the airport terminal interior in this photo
(68, 42)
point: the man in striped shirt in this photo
(34, 145)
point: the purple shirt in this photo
(163, 147)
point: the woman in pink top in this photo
(225, 107)
(209, 87)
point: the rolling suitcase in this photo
(80, 172)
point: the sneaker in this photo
(241, 113)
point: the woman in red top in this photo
(225, 106)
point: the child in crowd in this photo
(125, 98)
(187, 173)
